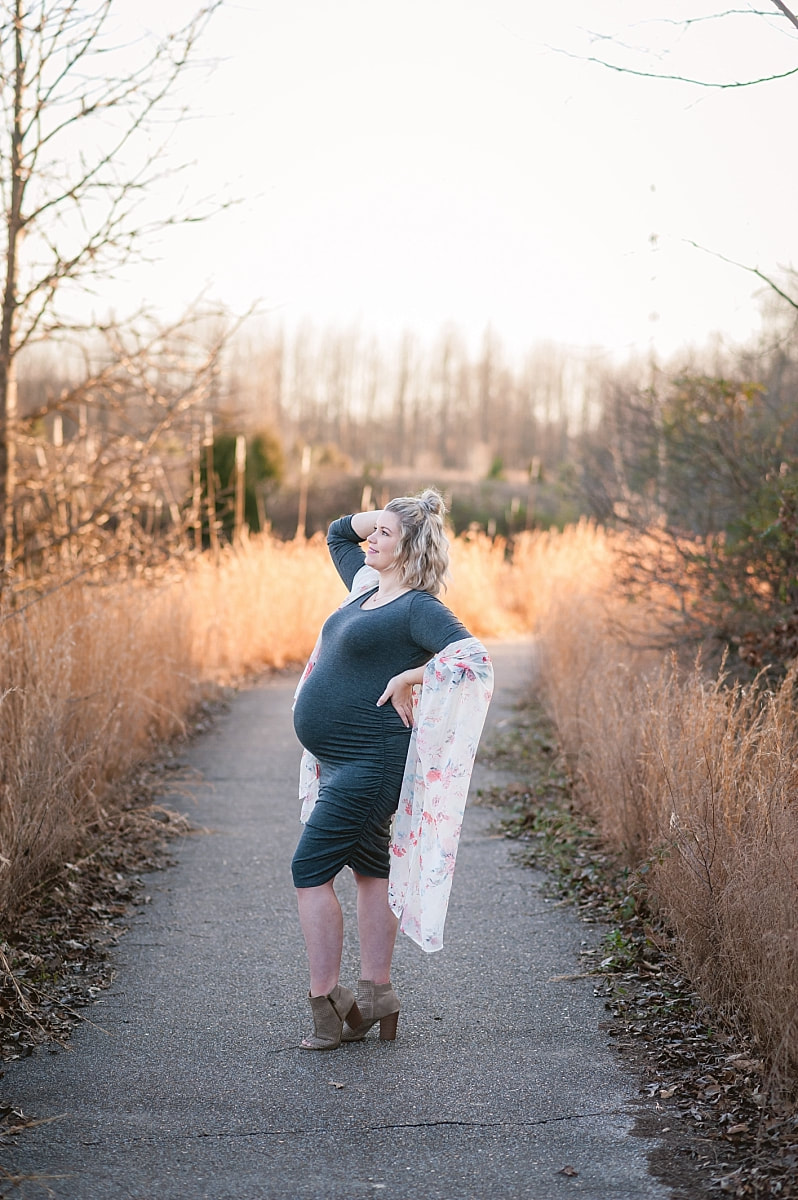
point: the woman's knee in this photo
(370, 881)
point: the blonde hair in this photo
(422, 551)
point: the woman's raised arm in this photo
(364, 523)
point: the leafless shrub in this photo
(107, 465)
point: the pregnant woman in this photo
(354, 713)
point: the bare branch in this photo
(785, 10)
(685, 22)
(791, 300)
(704, 83)
(117, 96)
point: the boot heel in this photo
(375, 1002)
(388, 1027)
(354, 1018)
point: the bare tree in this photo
(84, 150)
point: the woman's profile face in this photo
(383, 541)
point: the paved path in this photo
(197, 1090)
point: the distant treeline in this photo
(412, 404)
(279, 430)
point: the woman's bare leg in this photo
(323, 928)
(377, 927)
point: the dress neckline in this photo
(377, 607)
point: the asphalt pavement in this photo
(190, 1083)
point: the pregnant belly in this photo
(347, 732)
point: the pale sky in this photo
(404, 165)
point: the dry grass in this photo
(93, 678)
(480, 588)
(696, 778)
(261, 606)
(722, 764)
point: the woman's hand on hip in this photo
(400, 693)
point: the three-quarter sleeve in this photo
(345, 549)
(432, 624)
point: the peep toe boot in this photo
(375, 1002)
(329, 1014)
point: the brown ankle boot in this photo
(375, 1002)
(329, 1014)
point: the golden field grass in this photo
(693, 777)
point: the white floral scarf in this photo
(455, 694)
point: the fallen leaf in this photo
(568, 1171)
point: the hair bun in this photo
(432, 502)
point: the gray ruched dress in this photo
(361, 748)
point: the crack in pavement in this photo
(384, 1128)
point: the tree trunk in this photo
(8, 374)
(240, 472)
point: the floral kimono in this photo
(455, 694)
